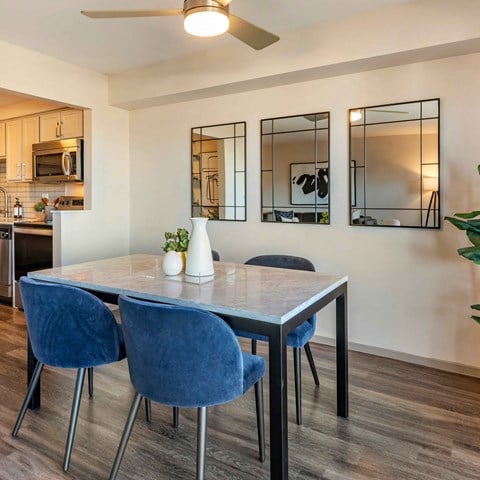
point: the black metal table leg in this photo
(342, 355)
(31, 364)
(278, 405)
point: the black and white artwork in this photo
(309, 185)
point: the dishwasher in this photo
(6, 260)
(33, 251)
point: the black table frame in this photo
(277, 334)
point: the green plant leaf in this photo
(478, 169)
(470, 253)
(476, 306)
(475, 223)
(469, 215)
(472, 225)
(474, 237)
(460, 224)
(477, 319)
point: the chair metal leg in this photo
(90, 382)
(201, 442)
(311, 362)
(28, 396)
(176, 412)
(77, 396)
(260, 419)
(148, 410)
(126, 435)
(254, 346)
(297, 367)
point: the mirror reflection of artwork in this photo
(309, 185)
(295, 169)
(218, 172)
(395, 165)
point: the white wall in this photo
(102, 231)
(408, 290)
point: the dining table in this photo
(263, 300)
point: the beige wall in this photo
(103, 230)
(409, 291)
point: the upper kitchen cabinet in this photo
(2, 140)
(61, 124)
(21, 133)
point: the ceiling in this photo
(56, 28)
(9, 98)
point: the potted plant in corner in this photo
(471, 224)
(175, 248)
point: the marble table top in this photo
(269, 294)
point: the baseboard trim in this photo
(405, 357)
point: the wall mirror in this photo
(219, 171)
(295, 169)
(395, 165)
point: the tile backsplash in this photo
(28, 193)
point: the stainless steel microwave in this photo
(58, 161)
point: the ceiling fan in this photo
(205, 18)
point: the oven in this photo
(33, 250)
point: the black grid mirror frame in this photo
(394, 163)
(295, 169)
(218, 171)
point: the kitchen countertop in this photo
(22, 221)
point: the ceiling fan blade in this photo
(250, 34)
(130, 13)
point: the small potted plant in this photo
(39, 207)
(175, 248)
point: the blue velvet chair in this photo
(148, 407)
(67, 328)
(297, 338)
(185, 357)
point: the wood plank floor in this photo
(406, 422)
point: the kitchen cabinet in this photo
(2, 139)
(21, 133)
(61, 124)
(13, 129)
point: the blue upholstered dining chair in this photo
(185, 357)
(67, 328)
(297, 338)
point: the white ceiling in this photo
(56, 28)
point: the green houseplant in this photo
(175, 248)
(177, 242)
(471, 225)
(39, 207)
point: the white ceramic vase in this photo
(172, 263)
(199, 253)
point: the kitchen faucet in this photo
(5, 199)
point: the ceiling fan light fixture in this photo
(206, 21)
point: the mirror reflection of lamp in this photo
(355, 115)
(430, 184)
